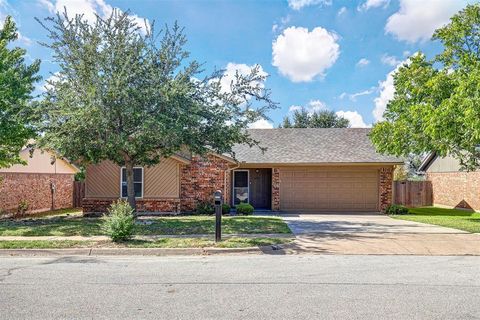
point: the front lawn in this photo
(452, 218)
(180, 225)
(160, 243)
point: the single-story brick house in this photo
(451, 187)
(44, 183)
(301, 170)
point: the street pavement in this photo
(240, 287)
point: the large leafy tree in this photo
(134, 98)
(436, 106)
(17, 82)
(320, 119)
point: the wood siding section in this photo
(162, 180)
(102, 180)
(329, 189)
(447, 164)
(41, 162)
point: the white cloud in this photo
(299, 4)
(387, 90)
(316, 105)
(342, 11)
(355, 118)
(417, 20)
(294, 108)
(261, 124)
(301, 55)
(311, 107)
(390, 60)
(89, 8)
(373, 4)
(363, 62)
(353, 96)
(280, 26)
(242, 69)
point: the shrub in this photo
(395, 209)
(225, 208)
(21, 208)
(244, 208)
(205, 207)
(119, 222)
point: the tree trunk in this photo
(130, 185)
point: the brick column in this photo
(275, 189)
(386, 181)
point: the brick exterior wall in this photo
(456, 189)
(198, 181)
(34, 188)
(385, 186)
(275, 189)
(143, 205)
(201, 178)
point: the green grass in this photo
(160, 243)
(452, 218)
(206, 225)
(183, 225)
(52, 226)
(44, 244)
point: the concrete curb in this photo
(134, 251)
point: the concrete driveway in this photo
(375, 234)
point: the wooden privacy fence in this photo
(412, 193)
(78, 193)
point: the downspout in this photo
(227, 171)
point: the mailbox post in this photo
(218, 215)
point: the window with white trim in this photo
(137, 182)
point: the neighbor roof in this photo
(312, 145)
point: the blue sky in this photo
(319, 54)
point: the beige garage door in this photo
(327, 189)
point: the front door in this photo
(261, 188)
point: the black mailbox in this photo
(218, 198)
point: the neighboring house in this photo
(301, 170)
(452, 187)
(44, 183)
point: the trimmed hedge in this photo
(244, 208)
(395, 209)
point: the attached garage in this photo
(316, 170)
(329, 189)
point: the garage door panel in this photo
(325, 189)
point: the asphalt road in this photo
(240, 287)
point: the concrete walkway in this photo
(375, 234)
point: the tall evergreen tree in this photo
(17, 82)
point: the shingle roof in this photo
(312, 145)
